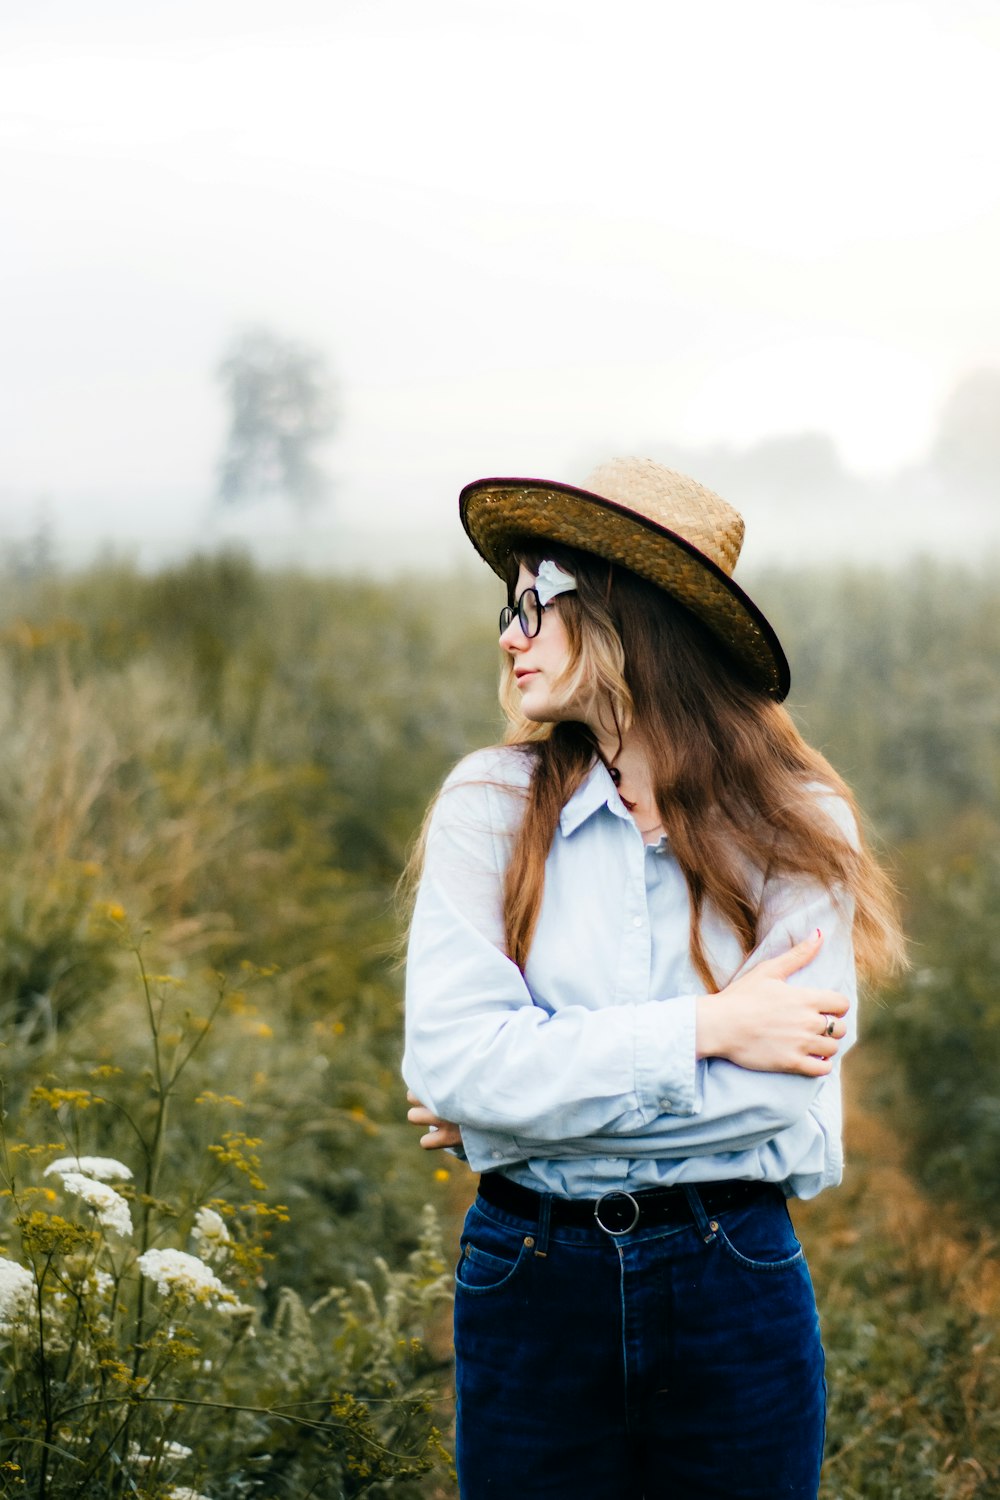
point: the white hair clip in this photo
(552, 580)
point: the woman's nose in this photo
(513, 638)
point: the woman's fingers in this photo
(440, 1133)
(823, 1017)
(819, 1016)
(448, 1135)
(833, 1026)
(813, 1067)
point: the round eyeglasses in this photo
(528, 611)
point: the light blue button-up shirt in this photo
(580, 1075)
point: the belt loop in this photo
(542, 1235)
(706, 1229)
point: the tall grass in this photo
(222, 769)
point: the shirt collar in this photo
(595, 791)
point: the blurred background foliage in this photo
(234, 763)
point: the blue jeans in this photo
(680, 1362)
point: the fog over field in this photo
(760, 242)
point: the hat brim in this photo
(496, 513)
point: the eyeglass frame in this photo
(510, 612)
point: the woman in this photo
(630, 981)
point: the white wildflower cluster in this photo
(17, 1286)
(211, 1235)
(103, 1168)
(181, 1275)
(110, 1207)
(185, 1494)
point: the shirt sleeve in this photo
(478, 1050)
(784, 1114)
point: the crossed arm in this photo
(760, 1022)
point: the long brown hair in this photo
(738, 790)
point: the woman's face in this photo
(540, 662)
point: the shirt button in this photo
(636, 921)
(496, 1155)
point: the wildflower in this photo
(185, 1494)
(17, 1286)
(51, 1234)
(110, 1207)
(238, 1151)
(211, 1234)
(442, 1174)
(179, 1274)
(104, 1168)
(75, 1098)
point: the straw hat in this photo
(662, 525)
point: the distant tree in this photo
(281, 405)
(967, 446)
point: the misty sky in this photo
(526, 234)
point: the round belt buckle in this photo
(622, 1213)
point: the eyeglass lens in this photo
(528, 611)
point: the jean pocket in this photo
(761, 1239)
(490, 1255)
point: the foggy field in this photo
(211, 778)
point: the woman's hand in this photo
(440, 1133)
(762, 1022)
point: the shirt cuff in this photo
(665, 1063)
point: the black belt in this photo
(618, 1212)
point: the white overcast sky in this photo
(527, 235)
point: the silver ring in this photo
(831, 1021)
(617, 1193)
